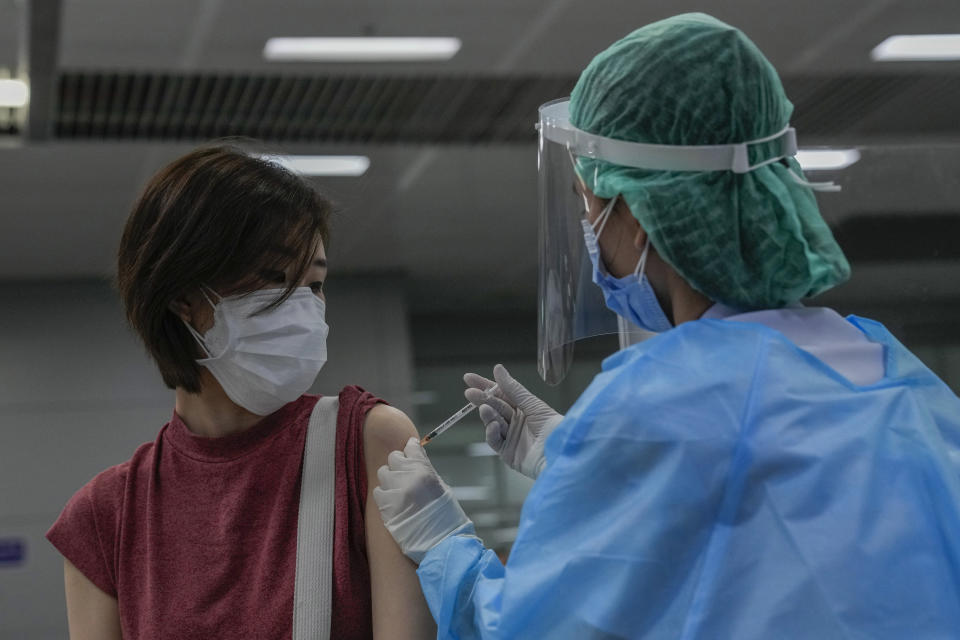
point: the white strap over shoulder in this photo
(313, 589)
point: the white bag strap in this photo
(313, 589)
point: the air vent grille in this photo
(303, 109)
(439, 109)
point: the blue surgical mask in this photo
(631, 297)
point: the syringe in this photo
(454, 419)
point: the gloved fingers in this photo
(475, 396)
(397, 460)
(477, 381)
(383, 475)
(380, 496)
(413, 450)
(512, 390)
(495, 435)
(389, 502)
(489, 415)
(393, 504)
(385, 499)
(395, 478)
(517, 393)
(502, 407)
(514, 432)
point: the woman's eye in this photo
(316, 287)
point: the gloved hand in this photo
(417, 506)
(517, 421)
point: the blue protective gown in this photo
(719, 482)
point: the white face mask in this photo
(266, 360)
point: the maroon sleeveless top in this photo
(197, 537)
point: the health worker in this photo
(758, 469)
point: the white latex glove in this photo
(417, 506)
(517, 421)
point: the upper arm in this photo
(385, 429)
(91, 613)
(85, 535)
(399, 608)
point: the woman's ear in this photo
(182, 308)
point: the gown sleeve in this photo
(619, 525)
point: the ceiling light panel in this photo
(13, 93)
(933, 47)
(336, 166)
(826, 159)
(360, 49)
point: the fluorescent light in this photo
(360, 49)
(825, 159)
(350, 166)
(925, 47)
(13, 93)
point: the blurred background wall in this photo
(434, 252)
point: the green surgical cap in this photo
(752, 241)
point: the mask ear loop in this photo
(605, 214)
(196, 334)
(576, 176)
(198, 338)
(604, 217)
(601, 220)
(203, 290)
(642, 264)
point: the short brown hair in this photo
(219, 217)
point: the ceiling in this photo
(450, 200)
(500, 36)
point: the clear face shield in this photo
(571, 307)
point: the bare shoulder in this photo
(385, 429)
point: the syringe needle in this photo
(454, 419)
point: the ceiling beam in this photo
(39, 54)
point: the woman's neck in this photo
(211, 413)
